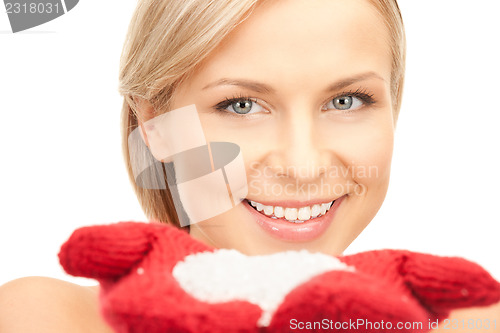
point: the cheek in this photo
(372, 155)
(254, 139)
(364, 148)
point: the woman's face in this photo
(304, 89)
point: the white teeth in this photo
(279, 211)
(304, 213)
(316, 209)
(296, 215)
(291, 214)
(268, 210)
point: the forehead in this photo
(304, 41)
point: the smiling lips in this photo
(296, 215)
(296, 224)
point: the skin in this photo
(43, 305)
(298, 60)
(295, 132)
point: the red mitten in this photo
(134, 262)
(388, 290)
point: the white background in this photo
(61, 165)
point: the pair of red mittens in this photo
(381, 290)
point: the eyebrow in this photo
(267, 89)
(341, 84)
(248, 84)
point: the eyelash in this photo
(222, 106)
(365, 96)
(362, 94)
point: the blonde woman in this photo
(309, 90)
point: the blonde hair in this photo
(165, 42)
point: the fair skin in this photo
(294, 125)
(294, 130)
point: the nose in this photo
(301, 154)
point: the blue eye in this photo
(350, 100)
(344, 103)
(240, 106)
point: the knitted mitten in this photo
(133, 262)
(392, 287)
